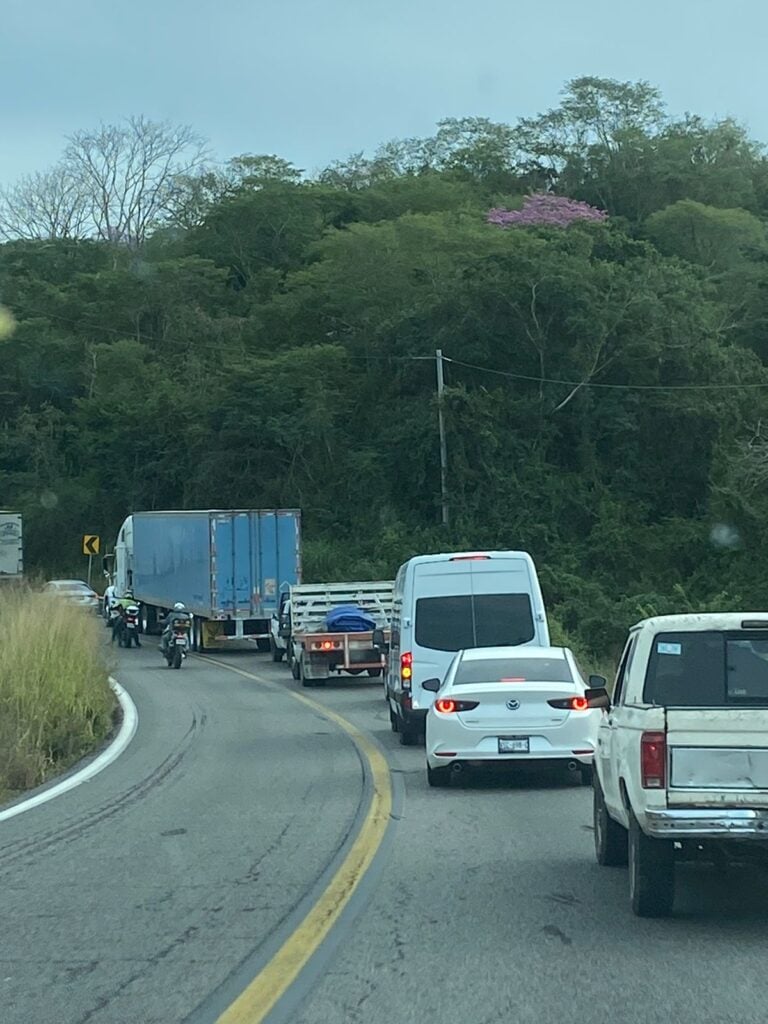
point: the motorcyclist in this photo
(109, 599)
(131, 636)
(177, 614)
(120, 605)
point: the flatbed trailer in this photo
(315, 653)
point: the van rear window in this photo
(707, 670)
(482, 620)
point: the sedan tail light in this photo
(450, 707)
(570, 703)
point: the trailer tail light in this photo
(653, 760)
(406, 669)
(570, 704)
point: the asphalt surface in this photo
(131, 899)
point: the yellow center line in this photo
(276, 977)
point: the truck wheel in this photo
(610, 836)
(409, 736)
(439, 777)
(651, 873)
(262, 645)
(148, 619)
(277, 655)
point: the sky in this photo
(315, 81)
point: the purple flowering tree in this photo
(545, 210)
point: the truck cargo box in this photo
(11, 560)
(222, 564)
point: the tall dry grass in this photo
(56, 705)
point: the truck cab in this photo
(682, 750)
(280, 627)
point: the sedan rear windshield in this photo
(707, 670)
(517, 670)
(481, 620)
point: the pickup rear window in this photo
(707, 670)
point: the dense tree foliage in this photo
(272, 343)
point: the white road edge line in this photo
(125, 734)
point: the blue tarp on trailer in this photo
(349, 619)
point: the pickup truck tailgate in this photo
(717, 757)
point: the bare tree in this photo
(129, 172)
(115, 183)
(48, 204)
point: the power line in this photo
(456, 362)
(595, 384)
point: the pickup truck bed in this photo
(316, 652)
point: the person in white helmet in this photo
(177, 614)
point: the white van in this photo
(453, 602)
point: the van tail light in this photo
(653, 760)
(450, 707)
(470, 558)
(570, 703)
(406, 669)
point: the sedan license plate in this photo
(514, 745)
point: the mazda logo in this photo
(513, 704)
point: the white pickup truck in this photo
(681, 769)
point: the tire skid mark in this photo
(17, 849)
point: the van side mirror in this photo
(598, 682)
(433, 685)
(598, 697)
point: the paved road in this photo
(131, 898)
(492, 910)
(488, 907)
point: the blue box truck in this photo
(227, 566)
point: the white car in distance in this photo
(504, 706)
(76, 592)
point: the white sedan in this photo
(75, 592)
(502, 706)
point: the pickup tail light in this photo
(653, 760)
(406, 669)
(570, 703)
(450, 707)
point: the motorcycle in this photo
(129, 632)
(178, 642)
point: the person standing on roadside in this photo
(109, 599)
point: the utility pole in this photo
(443, 446)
